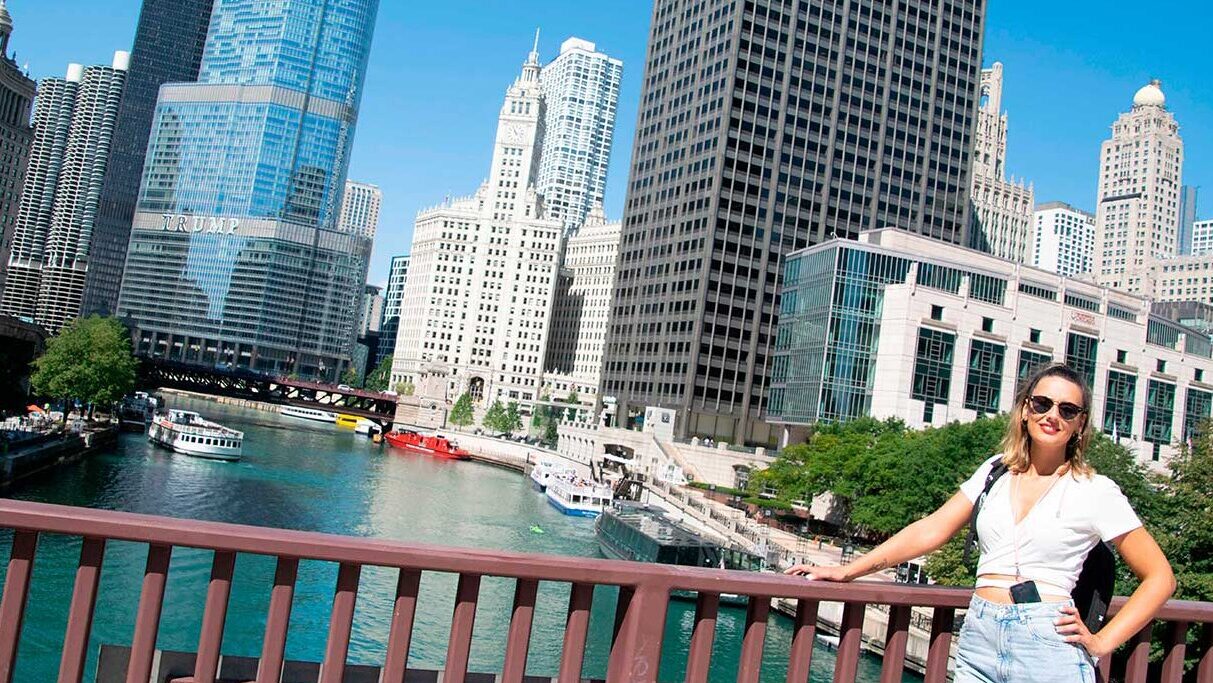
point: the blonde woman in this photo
(1036, 526)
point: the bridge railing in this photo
(640, 612)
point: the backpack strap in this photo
(999, 469)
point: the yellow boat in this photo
(347, 421)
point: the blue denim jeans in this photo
(1018, 644)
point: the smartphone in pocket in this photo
(1024, 592)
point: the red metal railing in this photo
(644, 592)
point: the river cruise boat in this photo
(437, 445)
(186, 432)
(309, 414)
(641, 533)
(578, 497)
(136, 412)
(543, 471)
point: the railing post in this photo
(147, 619)
(80, 615)
(519, 639)
(400, 634)
(12, 604)
(462, 621)
(269, 669)
(340, 623)
(575, 629)
(800, 656)
(1139, 655)
(1177, 644)
(699, 654)
(206, 664)
(850, 637)
(896, 637)
(636, 653)
(939, 649)
(1204, 669)
(750, 665)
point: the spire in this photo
(530, 68)
(532, 58)
(6, 27)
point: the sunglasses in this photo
(1043, 404)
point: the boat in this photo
(542, 472)
(187, 432)
(437, 445)
(640, 533)
(135, 412)
(367, 427)
(309, 414)
(575, 496)
(347, 421)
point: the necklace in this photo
(1016, 520)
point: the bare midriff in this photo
(1002, 596)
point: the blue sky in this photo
(438, 72)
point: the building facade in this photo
(16, 138)
(1002, 209)
(392, 294)
(1187, 219)
(1061, 239)
(581, 309)
(899, 326)
(482, 273)
(764, 127)
(371, 317)
(580, 95)
(168, 47)
(1202, 238)
(360, 209)
(50, 257)
(235, 258)
(1140, 176)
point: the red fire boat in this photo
(437, 446)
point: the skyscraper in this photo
(73, 127)
(1140, 175)
(234, 255)
(168, 48)
(391, 309)
(1187, 216)
(1202, 238)
(483, 272)
(1062, 239)
(360, 209)
(580, 94)
(1002, 209)
(764, 127)
(16, 100)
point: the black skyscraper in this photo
(168, 49)
(16, 137)
(766, 126)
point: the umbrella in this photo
(34, 409)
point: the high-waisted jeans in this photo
(1018, 644)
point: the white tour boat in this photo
(309, 414)
(543, 471)
(575, 496)
(186, 432)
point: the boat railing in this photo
(640, 609)
(211, 430)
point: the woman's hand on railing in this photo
(819, 572)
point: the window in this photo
(1121, 356)
(1034, 335)
(1198, 375)
(1160, 409)
(1028, 362)
(1160, 365)
(936, 312)
(1081, 353)
(984, 383)
(1118, 404)
(987, 324)
(1197, 407)
(933, 366)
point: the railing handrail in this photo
(268, 541)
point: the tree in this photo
(461, 412)
(350, 376)
(89, 360)
(495, 418)
(513, 419)
(378, 379)
(405, 388)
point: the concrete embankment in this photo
(39, 454)
(224, 400)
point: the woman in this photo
(1037, 524)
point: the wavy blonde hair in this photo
(1017, 444)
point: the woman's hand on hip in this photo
(819, 572)
(1070, 625)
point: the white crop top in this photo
(1058, 531)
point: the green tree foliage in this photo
(350, 377)
(89, 360)
(513, 418)
(1182, 518)
(405, 388)
(378, 378)
(461, 412)
(495, 418)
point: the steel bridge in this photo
(239, 383)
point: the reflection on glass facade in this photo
(1198, 405)
(933, 369)
(234, 257)
(1118, 404)
(1081, 354)
(984, 384)
(1028, 362)
(1160, 408)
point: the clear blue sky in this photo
(438, 72)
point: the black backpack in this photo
(1097, 580)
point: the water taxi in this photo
(347, 421)
(309, 414)
(575, 496)
(543, 471)
(437, 445)
(186, 432)
(135, 412)
(367, 427)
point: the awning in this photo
(34, 409)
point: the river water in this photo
(313, 477)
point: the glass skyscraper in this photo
(168, 49)
(235, 258)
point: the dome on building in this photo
(1150, 95)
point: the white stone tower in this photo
(1002, 209)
